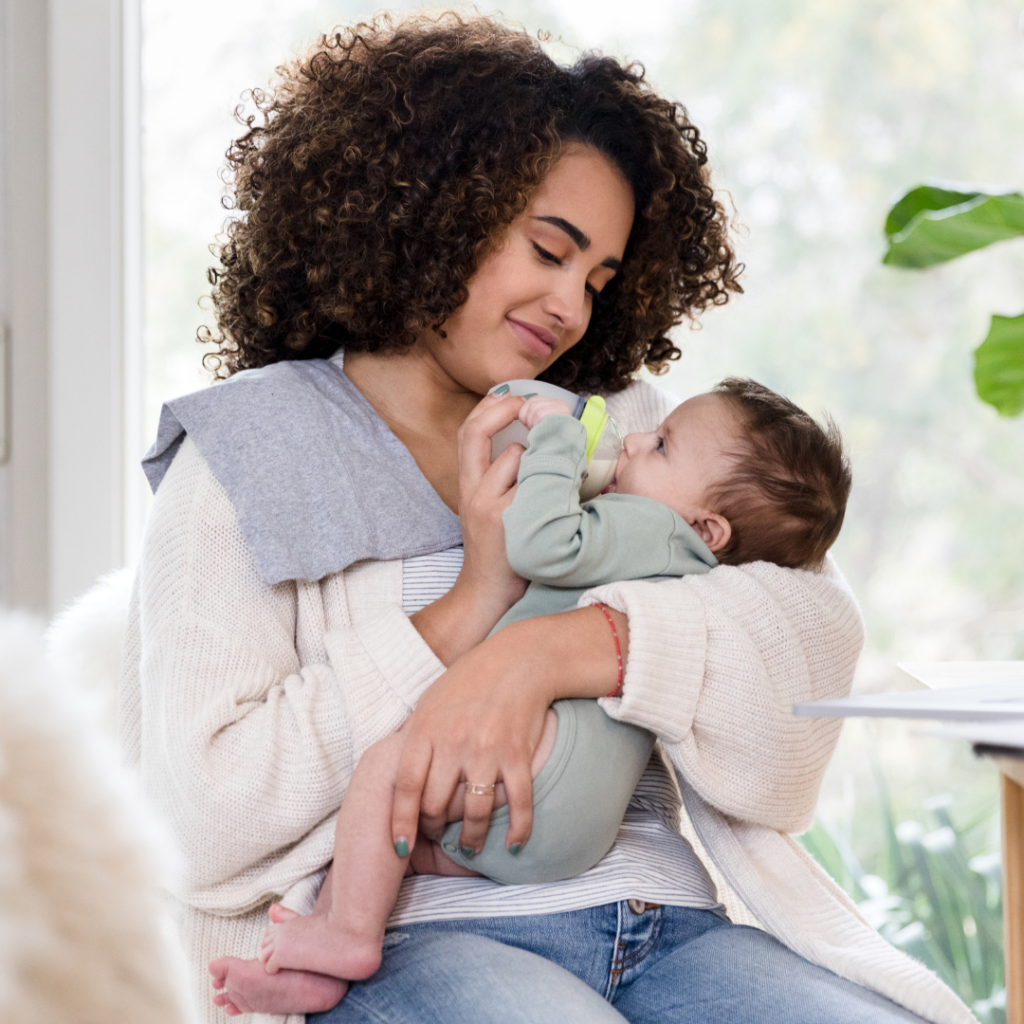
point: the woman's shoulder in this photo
(641, 406)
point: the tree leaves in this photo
(932, 224)
(999, 365)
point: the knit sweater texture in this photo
(245, 707)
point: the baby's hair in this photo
(786, 498)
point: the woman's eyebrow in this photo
(581, 239)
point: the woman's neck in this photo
(422, 406)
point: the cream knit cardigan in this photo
(245, 707)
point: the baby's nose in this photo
(633, 443)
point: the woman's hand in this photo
(481, 721)
(487, 586)
(486, 489)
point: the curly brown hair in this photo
(389, 160)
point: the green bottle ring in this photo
(595, 418)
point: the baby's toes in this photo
(279, 914)
(218, 972)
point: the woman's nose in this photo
(568, 302)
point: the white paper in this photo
(945, 675)
(987, 702)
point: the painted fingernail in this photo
(503, 390)
(515, 848)
(468, 852)
(402, 846)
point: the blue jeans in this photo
(602, 965)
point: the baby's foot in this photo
(245, 987)
(317, 943)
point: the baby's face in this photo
(687, 454)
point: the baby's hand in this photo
(535, 409)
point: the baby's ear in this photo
(713, 529)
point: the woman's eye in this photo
(548, 257)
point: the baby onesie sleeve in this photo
(551, 538)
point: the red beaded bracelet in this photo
(618, 648)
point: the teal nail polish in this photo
(515, 848)
(503, 390)
(468, 852)
(402, 847)
(533, 394)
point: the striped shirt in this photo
(650, 860)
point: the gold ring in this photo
(479, 788)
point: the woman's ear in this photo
(713, 529)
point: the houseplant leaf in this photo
(931, 224)
(999, 365)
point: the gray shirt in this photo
(316, 477)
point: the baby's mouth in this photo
(612, 487)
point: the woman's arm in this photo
(716, 664)
(482, 719)
(713, 665)
(487, 586)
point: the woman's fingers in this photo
(502, 474)
(413, 767)
(490, 416)
(519, 792)
(476, 816)
(442, 783)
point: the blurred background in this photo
(817, 114)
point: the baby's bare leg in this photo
(344, 934)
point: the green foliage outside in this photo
(930, 893)
(999, 365)
(932, 224)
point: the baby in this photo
(737, 475)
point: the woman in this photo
(427, 209)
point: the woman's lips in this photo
(537, 339)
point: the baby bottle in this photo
(604, 440)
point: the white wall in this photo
(24, 480)
(70, 267)
(89, 416)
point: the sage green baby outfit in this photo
(563, 548)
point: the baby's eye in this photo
(661, 445)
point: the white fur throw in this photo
(85, 937)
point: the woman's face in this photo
(531, 299)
